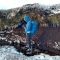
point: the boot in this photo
(29, 51)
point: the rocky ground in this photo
(45, 43)
(10, 53)
(46, 40)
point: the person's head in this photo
(27, 18)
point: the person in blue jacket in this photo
(30, 28)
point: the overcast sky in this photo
(7, 4)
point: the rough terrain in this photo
(10, 53)
(46, 40)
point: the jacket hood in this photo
(27, 18)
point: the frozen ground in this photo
(10, 53)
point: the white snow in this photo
(10, 53)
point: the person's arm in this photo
(24, 26)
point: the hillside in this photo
(45, 15)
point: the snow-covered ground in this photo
(10, 53)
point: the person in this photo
(30, 29)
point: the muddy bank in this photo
(46, 40)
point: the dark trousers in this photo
(28, 37)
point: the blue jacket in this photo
(34, 27)
(28, 27)
(31, 26)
